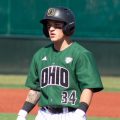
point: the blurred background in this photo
(97, 28)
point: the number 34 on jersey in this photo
(68, 97)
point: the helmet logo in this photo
(51, 12)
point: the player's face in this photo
(55, 30)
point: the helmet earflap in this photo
(69, 29)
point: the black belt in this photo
(58, 110)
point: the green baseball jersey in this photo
(61, 76)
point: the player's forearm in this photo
(85, 99)
(86, 96)
(31, 100)
(33, 96)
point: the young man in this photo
(63, 75)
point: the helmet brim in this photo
(44, 21)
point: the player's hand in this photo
(80, 115)
(22, 115)
(21, 118)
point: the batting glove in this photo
(22, 115)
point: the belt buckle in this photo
(65, 110)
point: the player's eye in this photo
(55, 25)
(58, 25)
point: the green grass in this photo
(12, 81)
(111, 84)
(18, 81)
(101, 118)
(4, 116)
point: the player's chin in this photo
(53, 39)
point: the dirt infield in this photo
(104, 104)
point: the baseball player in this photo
(63, 75)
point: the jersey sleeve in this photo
(87, 72)
(33, 77)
